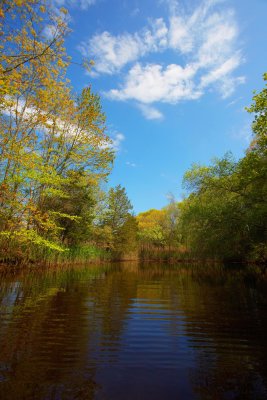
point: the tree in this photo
(31, 33)
(118, 208)
(159, 228)
(79, 201)
(259, 125)
(150, 228)
(119, 222)
(170, 224)
(225, 215)
(125, 239)
(46, 132)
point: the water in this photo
(128, 332)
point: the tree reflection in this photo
(61, 329)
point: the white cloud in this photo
(204, 47)
(153, 83)
(222, 75)
(111, 53)
(117, 138)
(49, 31)
(130, 164)
(150, 112)
(30, 115)
(82, 4)
(218, 36)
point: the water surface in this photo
(133, 332)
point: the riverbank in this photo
(108, 259)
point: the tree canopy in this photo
(47, 133)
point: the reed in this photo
(44, 256)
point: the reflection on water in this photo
(129, 332)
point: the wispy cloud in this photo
(82, 4)
(117, 138)
(204, 47)
(111, 53)
(130, 164)
(28, 114)
(243, 133)
(135, 12)
(233, 102)
(150, 112)
(222, 76)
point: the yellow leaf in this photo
(64, 11)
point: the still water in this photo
(133, 332)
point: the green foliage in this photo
(75, 211)
(213, 223)
(125, 238)
(259, 126)
(54, 154)
(159, 228)
(226, 213)
(53, 146)
(118, 208)
(150, 229)
(117, 227)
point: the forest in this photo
(56, 156)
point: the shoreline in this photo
(12, 267)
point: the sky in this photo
(174, 79)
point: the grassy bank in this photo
(76, 254)
(88, 253)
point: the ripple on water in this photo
(132, 335)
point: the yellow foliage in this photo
(150, 219)
(60, 63)
(36, 161)
(63, 10)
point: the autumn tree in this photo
(31, 32)
(46, 133)
(150, 228)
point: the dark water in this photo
(128, 332)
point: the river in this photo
(126, 331)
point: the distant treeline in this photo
(55, 157)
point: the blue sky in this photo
(174, 78)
